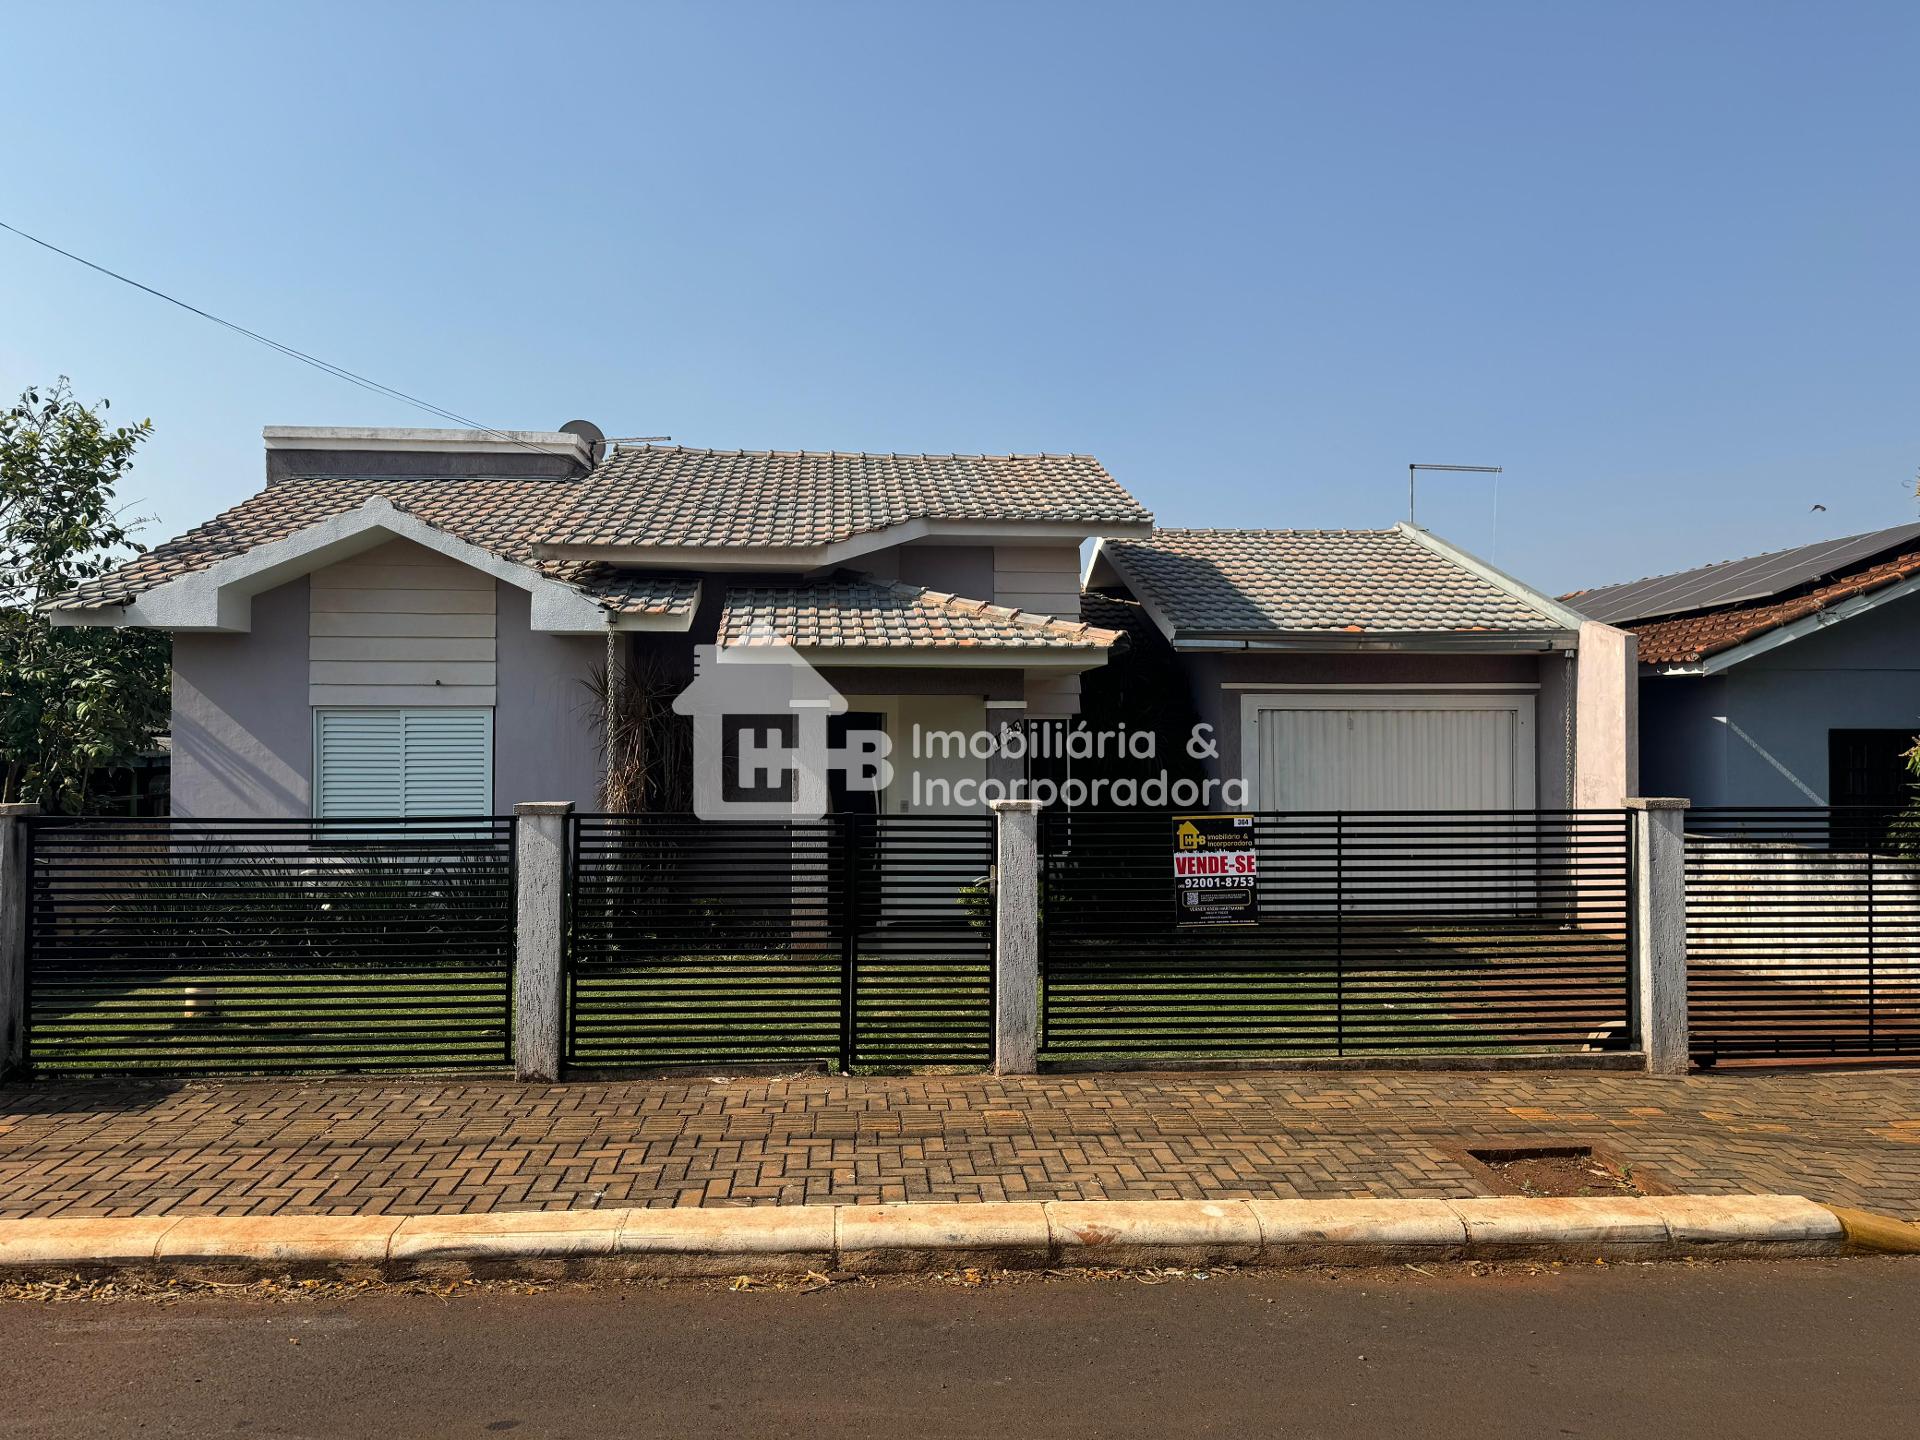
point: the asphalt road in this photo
(1806, 1348)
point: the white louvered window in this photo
(402, 763)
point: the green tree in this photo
(71, 700)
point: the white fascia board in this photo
(220, 598)
(1154, 612)
(838, 552)
(938, 659)
(1565, 617)
(425, 441)
(1805, 625)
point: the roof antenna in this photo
(1467, 469)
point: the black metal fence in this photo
(1483, 932)
(189, 946)
(1803, 932)
(858, 941)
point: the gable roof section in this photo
(864, 614)
(1326, 585)
(674, 498)
(493, 515)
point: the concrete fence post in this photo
(1016, 937)
(1660, 931)
(13, 934)
(540, 938)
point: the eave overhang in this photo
(802, 558)
(219, 599)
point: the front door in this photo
(857, 811)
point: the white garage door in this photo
(1396, 751)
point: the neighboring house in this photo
(1791, 678)
(1380, 669)
(410, 621)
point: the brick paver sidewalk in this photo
(428, 1146)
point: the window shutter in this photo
(449, 762)
(402, 763)
(359, 758)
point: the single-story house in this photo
(1380, 670)
(1782, 679)
(412, 621)
(422, 622)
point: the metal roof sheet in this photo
(1736, 582)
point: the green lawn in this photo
(1411, 992)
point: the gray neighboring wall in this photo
(242, 728)
(546, 741)
(1862, 674)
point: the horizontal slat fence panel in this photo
(853, 941)
(184, 946)
(1803, 932)
(1487, 932)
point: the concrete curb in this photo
(878, 1239)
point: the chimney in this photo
(375, 453)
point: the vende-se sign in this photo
(1216, 870)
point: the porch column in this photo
(1016, 937)
(1660, 931)
(13, 934)
(540, 938)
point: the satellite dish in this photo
(591, 433)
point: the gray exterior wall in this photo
(242, 728)
(957, 569)
(546, 739)
(419, 464)
(1757, 734)
(988, 684)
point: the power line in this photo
(325, 366)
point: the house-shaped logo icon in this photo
(1188, 834)
(759, 731)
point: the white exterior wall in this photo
(401, 625)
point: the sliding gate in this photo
(1471, 932)
(1803, 932)
(857, 941)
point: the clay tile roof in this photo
(1326, 581)
(1688, 639)
(666, 496)
(499, 515)
(670, 495)
(860, 613)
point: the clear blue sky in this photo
(1657, 260)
